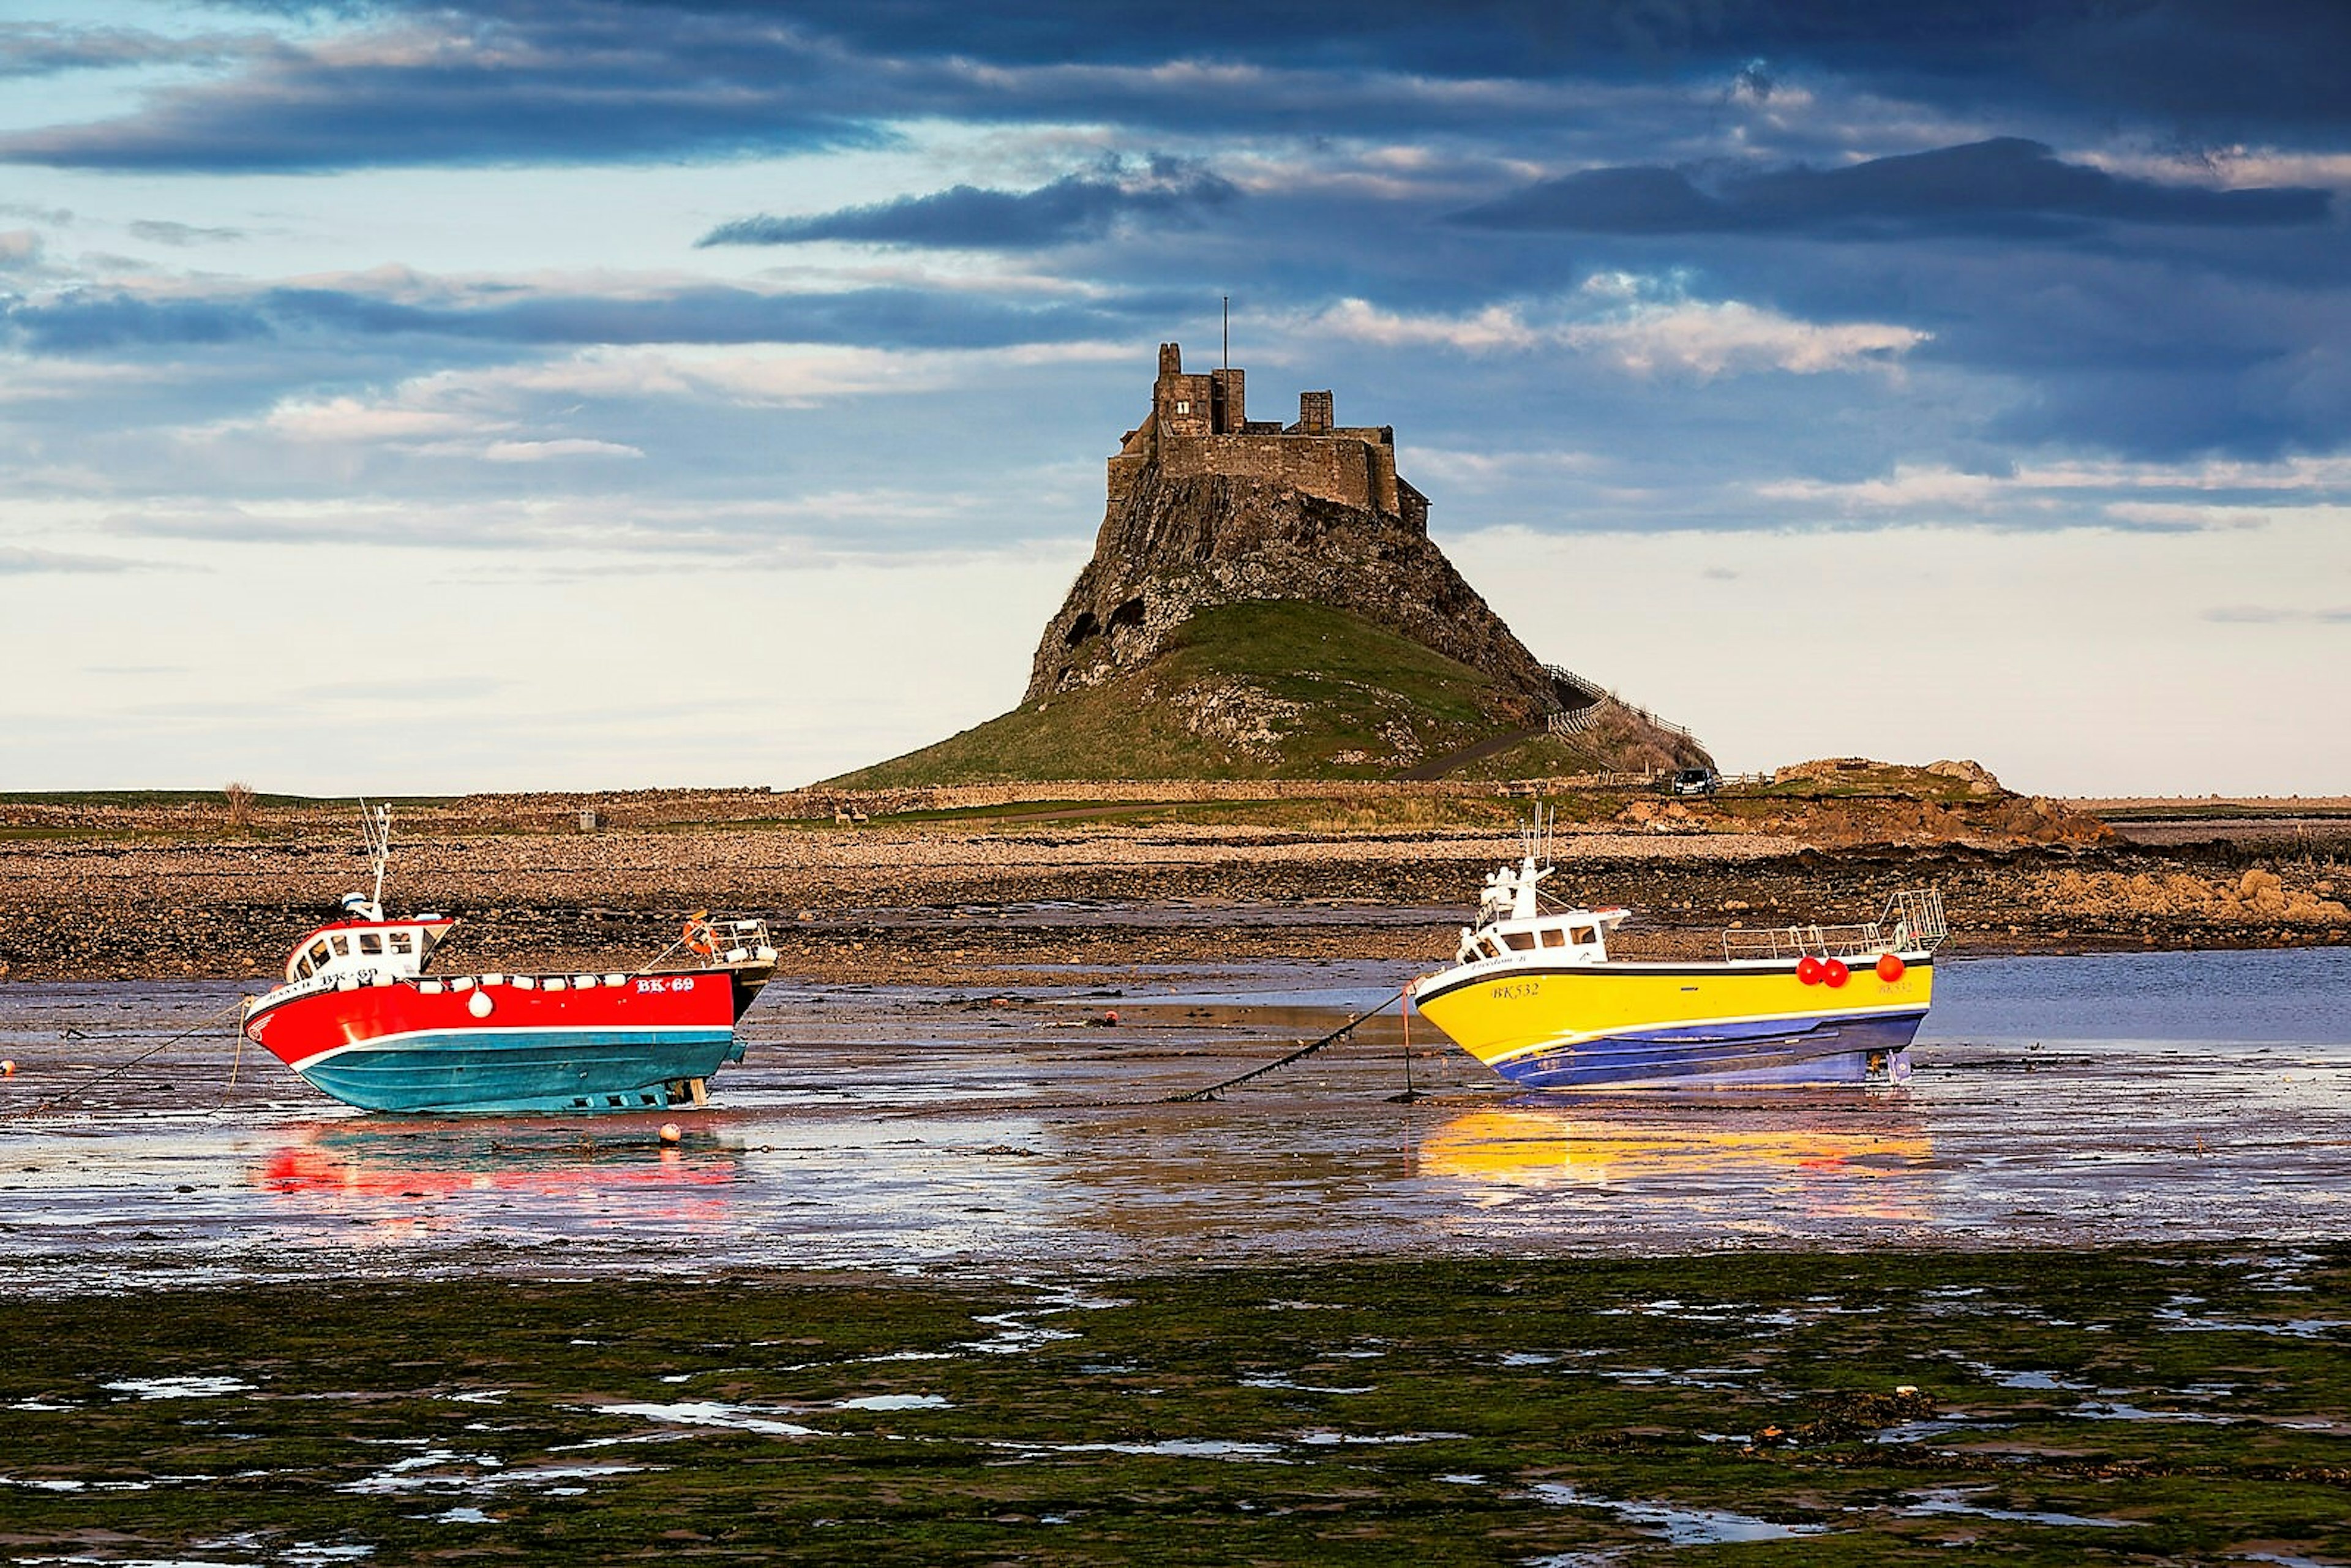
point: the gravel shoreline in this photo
(969, 905)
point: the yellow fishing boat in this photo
(1534, 994)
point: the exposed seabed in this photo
(936, 1277)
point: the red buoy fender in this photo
(1889, 967)
(1809, 970)
(1834, 974)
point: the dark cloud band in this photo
(878, 317)
(1075, 207)
(2007, 185)
(484, 81)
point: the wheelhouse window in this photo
(1522, 941)
(370, 942)
(302, 968)
(319, 953)
(342, 947)
(1554, 936)
(1586, 935)
(404, 943)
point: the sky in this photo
(608, 393)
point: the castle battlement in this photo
(1199, 427)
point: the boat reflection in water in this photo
(1821, 1162)
(547, 1178)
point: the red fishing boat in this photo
(360, 1018)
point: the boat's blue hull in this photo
(522, 1070)
(1813, 1050)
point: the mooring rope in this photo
(1301, 1054)
(88, 1084)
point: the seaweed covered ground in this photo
(2044, 1407)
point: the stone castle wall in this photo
(1352, 468)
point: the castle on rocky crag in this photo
(1208, 506)
(1249, 610)
(1199, 425)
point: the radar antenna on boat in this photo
(1539, 838)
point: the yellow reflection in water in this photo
(1876, 1168)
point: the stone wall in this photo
(1346, 469)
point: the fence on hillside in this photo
(1565, 721)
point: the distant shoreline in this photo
(169, 890)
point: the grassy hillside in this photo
(1273, 690)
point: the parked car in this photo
(1690, 781)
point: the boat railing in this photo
(1915, 916)
(739, 939)
(1796, 941)
(1913, 922)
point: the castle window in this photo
(1183, 406)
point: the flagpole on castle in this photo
(1228, 331)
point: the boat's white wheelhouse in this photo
(1512, 921)
(1571, 936)
(363, 949)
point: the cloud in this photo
(45, 49)
(18, 249)
(2268, 615)
(434, 689)
(162, 232)
(2208, 498)
(2005, 186)
(20, 560)
(563, 81)
(88, 322)
(79, 322)
(1074, 208)
(1713, 338)
(347, 420)
(477, 82)
(1642, 334)
(550, 532)
(546, 451)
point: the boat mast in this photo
(375, 827)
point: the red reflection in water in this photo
(337, 1165)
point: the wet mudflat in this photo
(937, 1275)
(2056, 1102)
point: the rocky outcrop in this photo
(2255, 896)
(1207, 507)
(1173, 547)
